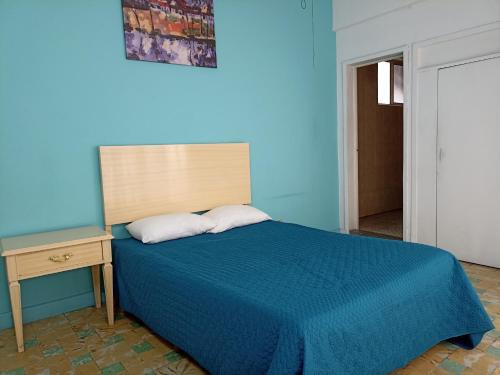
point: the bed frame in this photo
(141, 181)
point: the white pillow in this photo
(228, 217)
(160, 228)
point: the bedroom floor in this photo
(80, 342)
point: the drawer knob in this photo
(60, 258)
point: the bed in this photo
(276, 298)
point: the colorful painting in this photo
(170, 31)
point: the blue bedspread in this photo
(274, 298)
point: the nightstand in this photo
(51, 252)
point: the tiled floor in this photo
(387, 223)
(80, 342)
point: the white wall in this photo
(423, 19)
(431, 33)
(349, 12)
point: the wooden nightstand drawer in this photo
(57, 260)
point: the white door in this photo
(468, 170)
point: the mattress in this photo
(277, 298)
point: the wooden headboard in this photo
(141, 181)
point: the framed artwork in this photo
(170, 31)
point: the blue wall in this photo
(65, 88)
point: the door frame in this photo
(348, 128)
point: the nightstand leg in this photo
(15, 300)
(96, 279)
(108, 287)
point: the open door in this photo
(380, 148)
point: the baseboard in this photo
(45, 310)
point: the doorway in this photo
(380, 148)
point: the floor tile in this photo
(17, 371)
(52, 351)
(452, 367)
(115, 368)
(81, 360)
(142, 347)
